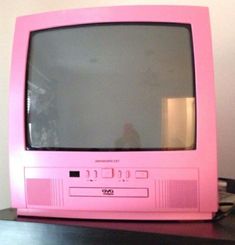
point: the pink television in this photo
(112, 114)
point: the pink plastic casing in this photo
(154, 185)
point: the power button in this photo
(107, 173)
(141, 174)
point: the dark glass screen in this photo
(123, 86)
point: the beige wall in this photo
(223, 34)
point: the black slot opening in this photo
(74, 173)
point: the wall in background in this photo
(223, 36)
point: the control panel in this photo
(121, 175)
(108, 188)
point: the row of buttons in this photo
(108, 173)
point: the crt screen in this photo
(114, 86)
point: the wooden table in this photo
(25, 230)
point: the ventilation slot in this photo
(176, 194)
(44, 192)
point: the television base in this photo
(105, 215)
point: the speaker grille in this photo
(176, 194)
(44, 192)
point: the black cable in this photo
(222, 214)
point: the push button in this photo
(127, 174)
(94, 174)
(141, 174)
(107, 173)
(87, 173)
(119, 174)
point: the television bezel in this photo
(203, 157)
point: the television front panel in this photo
(112, 114)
